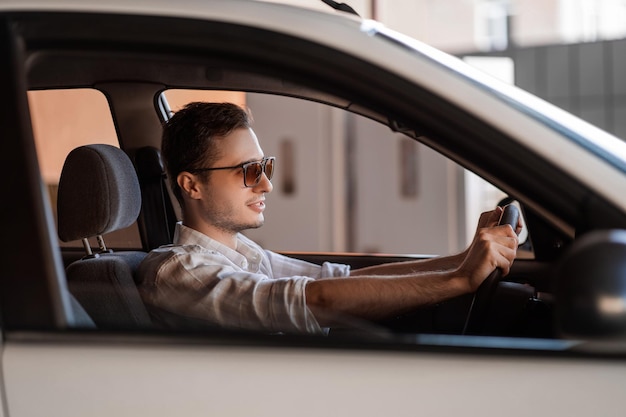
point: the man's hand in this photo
(493, 247)
(491, 218)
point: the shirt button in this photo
(244, 264)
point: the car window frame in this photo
(34, 294)
(474, 128)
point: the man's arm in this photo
(440, 263)
(375, 297)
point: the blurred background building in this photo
(569, 52)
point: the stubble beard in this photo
(235, 227)
(221, 218)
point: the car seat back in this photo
(98, 194)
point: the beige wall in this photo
(444, 24)
(450, 25)
(536, 22)
(178, 98)
(65, 119)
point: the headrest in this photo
(149, 164)
(98, 192)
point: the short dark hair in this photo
(189, 137)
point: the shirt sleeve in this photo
(284, 266)
(227, 297)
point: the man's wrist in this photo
(460, 282)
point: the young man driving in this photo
(214, 275)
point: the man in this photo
(212, 274)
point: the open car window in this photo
(346, 183)
(341, 191)
(64, 119)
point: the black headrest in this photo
(98, 192)
(149, 164)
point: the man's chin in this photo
(255, 225)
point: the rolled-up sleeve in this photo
(201, 282)
(223, 296)
(284, 266)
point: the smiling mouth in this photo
(257, 205)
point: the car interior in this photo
(105, 189)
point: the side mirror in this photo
(590, 287)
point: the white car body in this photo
(91, 374)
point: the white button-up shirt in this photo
(199, 281)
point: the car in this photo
(547, 339)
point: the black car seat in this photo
(98, 194)
(158, 216)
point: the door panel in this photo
(126, 379)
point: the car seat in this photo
(98, 194)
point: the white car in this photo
(550, 341)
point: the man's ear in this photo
(189, 185)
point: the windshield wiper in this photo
(341, 6)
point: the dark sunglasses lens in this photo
(253, 174)
(254, 170)
(269, 168)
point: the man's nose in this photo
(264, 185)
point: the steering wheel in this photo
(484, 294)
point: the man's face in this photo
(228, 205)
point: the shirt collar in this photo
(246, 256)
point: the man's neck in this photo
(224, 237)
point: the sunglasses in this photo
(252, 171)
